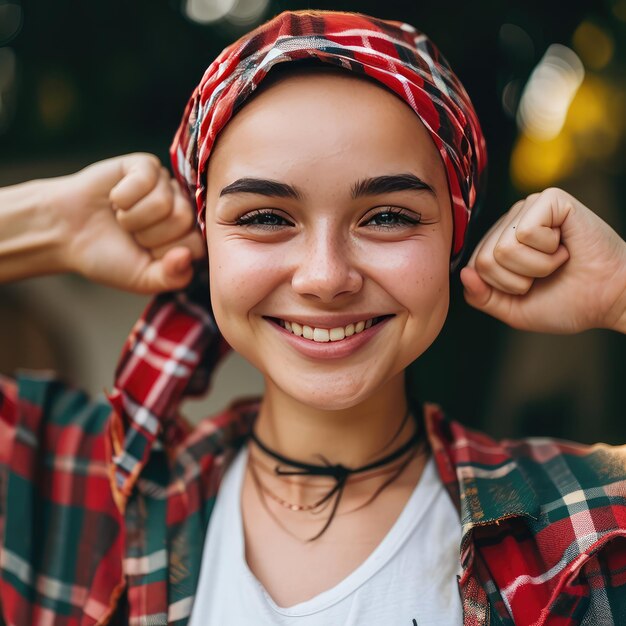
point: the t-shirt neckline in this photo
(411, 516)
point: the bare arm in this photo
(122, 222)
(30, 240)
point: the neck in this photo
(351, 437)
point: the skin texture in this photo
(122, 222)
(327, 256)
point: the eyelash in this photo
(250, 219)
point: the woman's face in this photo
(327, 208)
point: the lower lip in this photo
(330, 349)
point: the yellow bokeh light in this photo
(592, 131)
(593, 44)
(595, 119)
(589, 106)
(539, 164)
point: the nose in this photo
(326, 268)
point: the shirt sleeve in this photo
(8, 396)
(61, 534)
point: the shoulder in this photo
(534, 476)
(543, 519)
(561, 468)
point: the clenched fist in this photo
(126, 224)
(550, 265)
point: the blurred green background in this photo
(81, 81)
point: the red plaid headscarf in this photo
(174, 346)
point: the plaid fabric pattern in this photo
(544, 521)
(173, 345)
(395, 54)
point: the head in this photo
(329, 238)
(355, 225)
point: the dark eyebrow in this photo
(263, 187)
(366, 187)
(388, 184)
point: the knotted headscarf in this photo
(175, 344)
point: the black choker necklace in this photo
(339, 472)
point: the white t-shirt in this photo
(409, 578)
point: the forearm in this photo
(31, 233)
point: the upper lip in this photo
(329, 321)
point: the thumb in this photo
(171, 272)
(476, 291)
(484, 297)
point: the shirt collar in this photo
(483, 479)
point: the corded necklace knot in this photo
(339, 472)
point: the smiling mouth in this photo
(325, 335)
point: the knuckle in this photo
(483, 263)
(163, 206)
(142, 239)
(144, 180)
(518, 205)
(523, 285)
(504, 251)
(148, 158)
(183, 211)
(122, 218)
(524, 232)
(553, 191)
(188, 218)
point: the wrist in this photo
(617, 315)
(620, 324)
(31, 238)
(49, 225)
(53, 203)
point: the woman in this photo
(332, 213)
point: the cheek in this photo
(239, 277)
(416, 273)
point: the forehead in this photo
(326, 123)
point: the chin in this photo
(330, 393)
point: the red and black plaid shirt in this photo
(544, 522)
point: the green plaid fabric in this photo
(544, 521)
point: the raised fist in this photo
(127, 224)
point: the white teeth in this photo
(323, 335)
(337, 334)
